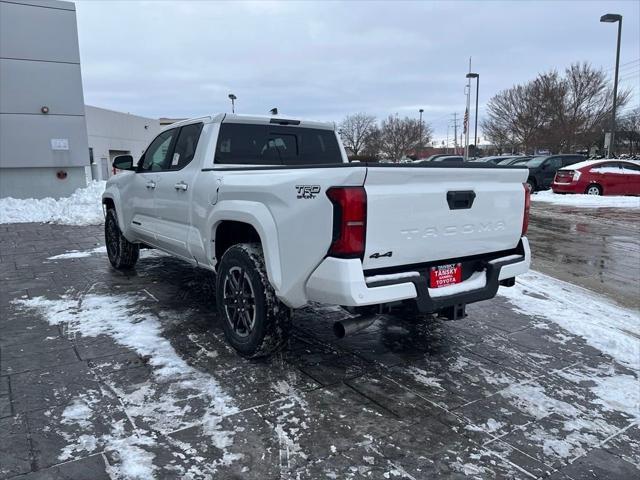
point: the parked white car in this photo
(273, 206)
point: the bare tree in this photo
(355, 131)
(561, 113)
(628, 130)
(400, 136)
(516, 116)
(373, 145)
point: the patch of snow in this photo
(588, 201)
(532, 399)
(506, 259)
(152, 403)
(613, 391)
(612, 329)
(391, 276)
(78, 253)
(616, 170)
(424, 378)
(476, 281)
(83, 207)
(79, 412)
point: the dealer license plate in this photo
(445, 275)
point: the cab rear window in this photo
(243, 144)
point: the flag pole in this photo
(466, 117)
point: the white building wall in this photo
(40, 67)
(114, 133)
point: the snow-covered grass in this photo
(83, 207)
(587, 201)
(121, 318)
(606, 326)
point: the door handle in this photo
(181, 186)
(151, 184)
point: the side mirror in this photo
(123, 162)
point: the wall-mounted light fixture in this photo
(44, 109)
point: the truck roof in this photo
(256, 119)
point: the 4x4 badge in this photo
(380, 255)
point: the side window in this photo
(566, 161)
(155, 158)
(554, 163)
(185, 148)
(631, 167)
(319, 146)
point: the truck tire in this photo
(255, 322)
(122, 254)
(531, 185)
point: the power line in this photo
(622, 65)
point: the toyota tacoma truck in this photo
(274, 208)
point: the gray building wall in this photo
(40, 67)
(114, 133)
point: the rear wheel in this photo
(593, 189)
(122, 254)
(531, 185)
(255, 322)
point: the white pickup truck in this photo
(274, 207)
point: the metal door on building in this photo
(113, 154)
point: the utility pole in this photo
(455, 133)
(446, 148)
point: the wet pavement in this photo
(110, 375)
(596, 248)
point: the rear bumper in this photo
(566, 188)
(342, 282)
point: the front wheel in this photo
(122, 254)
(594, 190)
(255, 322)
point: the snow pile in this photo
(121, 318)
(588, 201)
(606, 326)
(78, 253)
(83, 207)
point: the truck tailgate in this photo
(409, 214)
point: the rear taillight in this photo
(527, 207)
(349, 221)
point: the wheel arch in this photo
(111, 199)
(236, 222)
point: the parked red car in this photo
(599, 177)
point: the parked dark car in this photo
(542, 170)
(514, 160)
(431, 158)
(495, 159)
(449, 158)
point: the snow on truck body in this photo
(329, 231)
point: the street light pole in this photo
(612, 18)
(475, 131)
(421, 132)
(233, 99)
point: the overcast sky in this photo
(328, 59)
